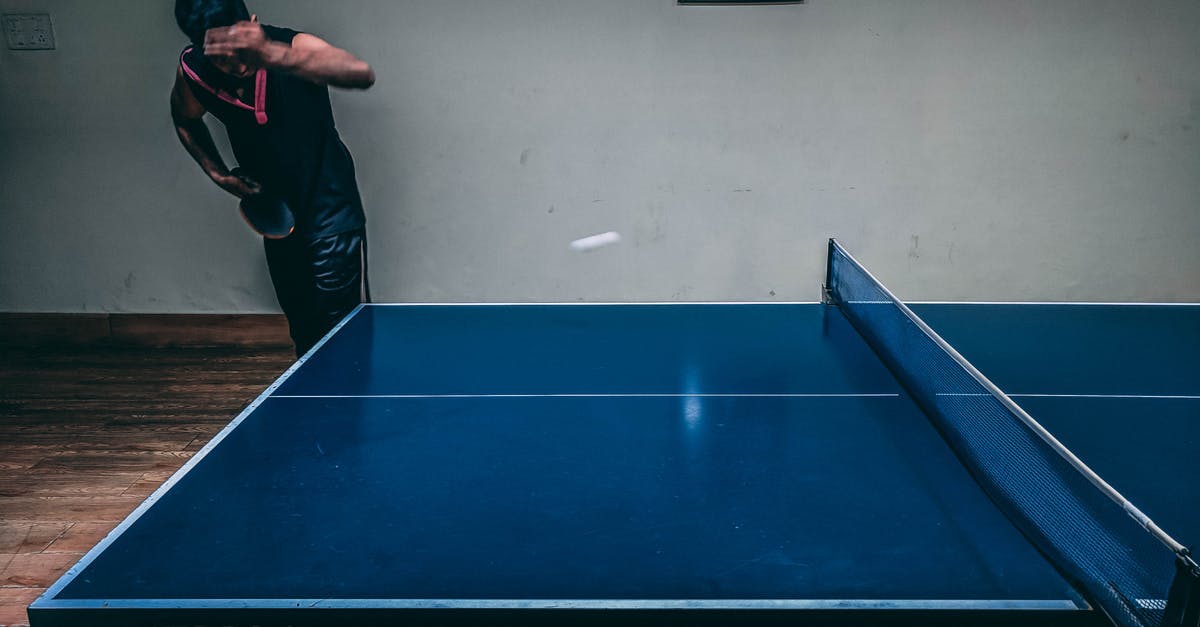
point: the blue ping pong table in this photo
(566, 463)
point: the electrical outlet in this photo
(29, 31)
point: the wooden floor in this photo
(87, 432)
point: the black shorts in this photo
(318, 282)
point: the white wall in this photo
(963, 149)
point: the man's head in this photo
(195, 17)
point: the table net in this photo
(1126, 566)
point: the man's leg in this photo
(340, 283)
(290, 267)
(318, 282)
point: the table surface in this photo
(713, 459)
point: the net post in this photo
(1183, 601)
(827, 286)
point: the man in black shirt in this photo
(269, 87)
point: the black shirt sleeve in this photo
(279, 33)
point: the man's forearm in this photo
(198, 141)
(330, 66)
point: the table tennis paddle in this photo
(267, 214)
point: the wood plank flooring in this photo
(88, 431)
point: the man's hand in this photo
(244, 42)
(237, 184)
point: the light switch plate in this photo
(29, 31)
